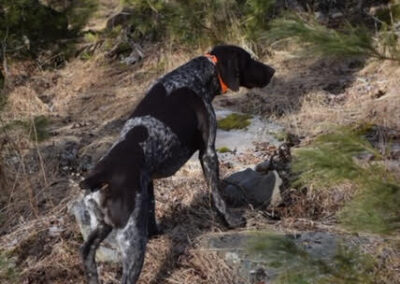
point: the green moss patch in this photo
(234, 121)
(224, 149)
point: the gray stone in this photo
(260, 268)
(250, 187)
(108, 251)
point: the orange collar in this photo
(214, 59)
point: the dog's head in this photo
(237, 68)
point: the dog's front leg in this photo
(88, 251)
(209, 163)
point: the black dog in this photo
(174, 120)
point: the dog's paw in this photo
(235, 220)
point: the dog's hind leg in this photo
(88, 251)
(133, 238)
(153, 229)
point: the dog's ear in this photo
(228, 68)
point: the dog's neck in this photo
(214, 60)
(200, 72)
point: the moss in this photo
(234, 121)
(224, 149)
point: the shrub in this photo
(28, 25)
(212, 22)
(331, 160)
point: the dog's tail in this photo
(93, 182)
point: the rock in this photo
(287, 252)
(249, 187)
(108, 250)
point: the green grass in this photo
(234, 121)
(331, 160)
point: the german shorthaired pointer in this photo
(174, 120)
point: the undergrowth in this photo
(337, 158)
(348, 41)
(213, 22)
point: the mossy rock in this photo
(234, 121)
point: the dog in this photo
(173, 121)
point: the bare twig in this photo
(4, 51)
